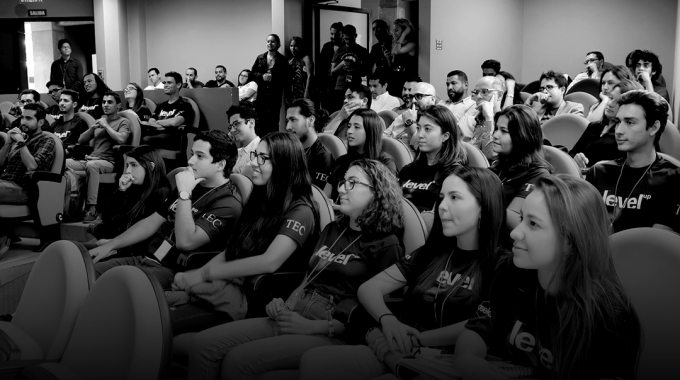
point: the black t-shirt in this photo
(378, 57)
(437, 307)
(515, 324)
(655, 199)
(418, 182)
(351, 265)
(213, 83)
(180, 107)
(144, 113)
(93, 106)
(69, 131)
(55, 112)
(215, 210)
(519, 181)
(343, 162)
(320, 162)
(595, 147)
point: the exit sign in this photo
(37, 12)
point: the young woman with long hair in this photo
(556, 305)
(91, 95)
(440, 147)
(598, 142)
(609, 78)
(302, 72)
(364, 140)
(247, 87)
(518, 141)
(134, 100)
(142, 189)
(446, 278)
(358, 245)
(271, 73)
(404, 62)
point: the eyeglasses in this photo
(261, 158)
(420, 96)
(483, 91)
(54, 90)
(129, 89)
(349, 184)
(236, 123)
(590, 60)
(26, 101)
(548, 87)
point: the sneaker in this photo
(91, 216)
(4, 245)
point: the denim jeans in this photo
(244, 349)
(93, 169)
(12, 194)
(339, 363)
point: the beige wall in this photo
(558, 33)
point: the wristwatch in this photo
(21, 144)
(185, 195)
(409, 122)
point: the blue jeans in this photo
(244, 349)
(12, 194)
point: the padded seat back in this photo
(244, 186)
(532, 87)
(561, 162)
(647, 261)
(5, 107)
(59, 163)
(8, 118)
(333, 144)
(150, 105)
(588, 85)
(524, 96)
(415, 229)
(326, 213)
(135, 128)
(388, 117)
(672, 159)
(584, 98)
(171, 177)
(564, 129)
(89, 120)
(123, 330)
(670, 141)
(475, 156)
(400, 152)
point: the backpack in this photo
(73, 196)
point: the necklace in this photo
(618, 211)
(439, 286)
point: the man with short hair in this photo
(28, 149)
(404, 127)
(356, 96)
(381, 51)
(220, 78)
(350, 63)
(326, 83)
(161, 130)
(647, 71)
(549, 101)
(54, 89)
(594, 67)
(462, 106)
(487, 94)
(199, 214)
(27, 96)
(491, 68)
(66, 70)
(243, 129)
(70, 126)
(155, 80)
(190, 79)
(407, 95)
(639, 190)
(112, 129)
(301, 121)
(382, 100)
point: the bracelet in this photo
(509, 96)
(21, 144)
(205, 274)
(331, 330)
(368, 333)
(381, 317)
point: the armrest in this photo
(43, 176)
(195, 259)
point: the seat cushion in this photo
(14, 211)
(16, 344)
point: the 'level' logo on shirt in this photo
(416, 186)
(620, 202)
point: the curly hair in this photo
(383, 216)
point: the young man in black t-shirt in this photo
(639, 190)
(301, 120)
(199, 214)
(220, 78)
(70, 126)
(161, 130)
(54, 89)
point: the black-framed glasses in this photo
(130, 89)
(420, 96)
(587, 61)
(350, 183)
(54, 90)
(483, 91)
(548, 87)
(261, 158)
(236, 123)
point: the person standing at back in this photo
(67, 70)
(271, 72)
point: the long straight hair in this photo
(268, 204)
(527, 138)
(154, 177)
(139, 100)
(452, 150)
(588, 287)
(373, 127)
(488, 192)
(625, 85)
(101, 89)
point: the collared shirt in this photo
(581, 77)
(41, 148)
(159, 86)
(465, 111)
(565, 107)
(384, 102)
(244, 155)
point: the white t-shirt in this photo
(384, 102)
(243, 89)
(159, 86)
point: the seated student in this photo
(556, 305)
(91, 95)
(247, 87)
(134, 100)
(276, 232)
(463, 107)
(407, 95)
(512, 92)
(518, 141)
(609, 78)
(487, 94)
(200, 213)
(354, 248)
(594, 67)
(155, 79)
(70, 126)
(242, 123)
(28, 96)
(28, 149)
(447, 278)
(54, 89)
(357, 96)
(640, 189)
(549, 101)
(142, 189)
(302, 120)
(161, 129)
(490, 68)
(598, 142)
(190, 79)
(647, 72)
(220, 78)
(363, 141)
(404, 126)
(439, 142)
(112, 129)
(382, 100)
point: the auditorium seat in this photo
(561, 162)
(532, 87)
(564, 129)
(388, 117)
(5, 107)
(8, 118)
(524, 96)
(670, 141)
(401, 153)
(647, 261)
(87, 118)
(326, 213)
(334, 145)
(672, 159)
(584, 98)
(415, 231)
(588, 85)
(475, 157)
(150, 105)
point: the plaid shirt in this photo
(42, 149)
